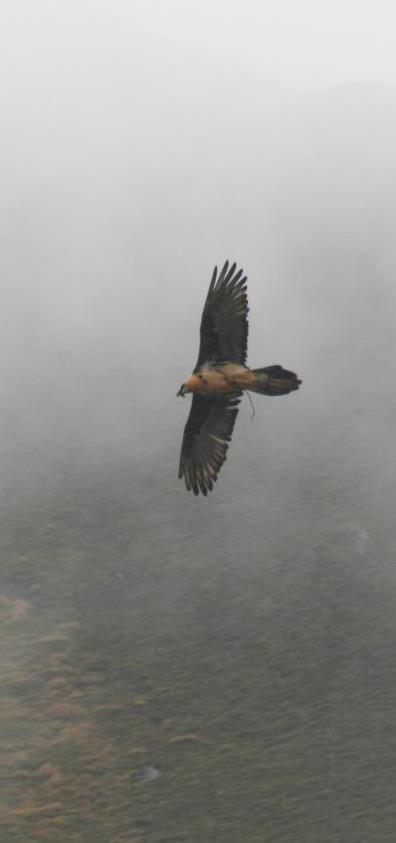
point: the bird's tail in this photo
(274, 380)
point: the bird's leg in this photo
(251, 404)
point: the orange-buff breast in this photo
(219, 380)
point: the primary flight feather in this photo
(219, 379)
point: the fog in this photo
(243, 644)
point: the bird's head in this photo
(194, 383)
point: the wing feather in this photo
(224, 324)
(206, 439)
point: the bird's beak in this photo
(181, 391)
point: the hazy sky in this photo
(142, 142)
(301, 44)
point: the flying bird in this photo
(219, 379)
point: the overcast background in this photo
(245, 641)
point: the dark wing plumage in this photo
(224, 324)
(206, 436)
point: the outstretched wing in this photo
(224, 324)
(206, 436)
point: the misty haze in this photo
(177, 668)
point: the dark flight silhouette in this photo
(219, 379)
